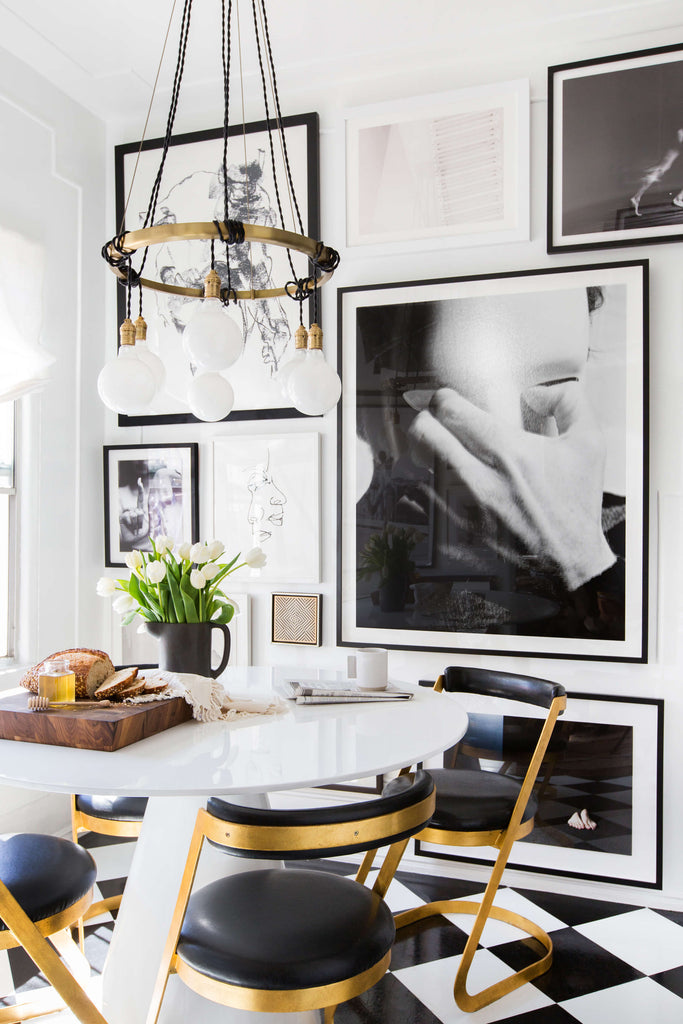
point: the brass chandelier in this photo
(213, 341)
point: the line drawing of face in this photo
(266, 506)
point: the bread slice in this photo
(155, 686)
(90, 667)
(114, 683)
(133, 689)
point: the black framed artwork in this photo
(192, 190)
(493, 464)
(599, 789)
(149, 489)
(615, 139)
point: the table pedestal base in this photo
(145, 917)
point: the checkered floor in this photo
(613, 962)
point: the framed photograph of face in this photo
(452, 166)
(266, 493)
(615, 138)
(599, 789)
(503, 420)
(192, 190)
(149, 490)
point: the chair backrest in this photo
(322, 831)
(510, 685)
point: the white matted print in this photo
(453, 166)
(266, 493)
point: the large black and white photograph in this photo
(451, 166)
(615, 137)
(598, 789)
(149, 491)
(493, 464)
(192, 189)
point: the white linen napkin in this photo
(209, 701)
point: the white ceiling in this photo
(105, 54)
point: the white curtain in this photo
(24, 363)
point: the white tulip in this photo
(125, 603)
(106, 586)
(134, 560)
(163, 543)
(255, 558)
(184, 549)
(199, 553)
(210, 570)
(156, 572)
(216, 548)
(197, 579)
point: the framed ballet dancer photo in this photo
(497, 424)
(192, 190)
(615, 145)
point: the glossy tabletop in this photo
(305, 745)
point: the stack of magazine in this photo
(339, 692)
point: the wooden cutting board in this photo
(108, 728)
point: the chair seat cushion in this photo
(113, 808)
(46, 875)
(474, 801)
(280, 929)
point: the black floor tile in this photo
(430, 889)
(671, 915)
(574, 910)
(673, 980)
(544, 1015)
(579, 965)
(387, 1002)
(431, 939)
(91, 840)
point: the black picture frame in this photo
(606, 756)
(308, 193)
(143, 482)
(387, 339)
(614, 137)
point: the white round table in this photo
(307, 745)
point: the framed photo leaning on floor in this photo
(493, 463)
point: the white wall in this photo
(493, 60)
(51, 188)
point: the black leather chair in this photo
(45, 887)
(108, 816)
(482, 808)
(280, 940)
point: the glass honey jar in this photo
(57, 681)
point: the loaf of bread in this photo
(90, 668)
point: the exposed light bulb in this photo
(210, 397)
(126, 384)
(212, 338)
(300, 342)
(314, 387)
(148, 357)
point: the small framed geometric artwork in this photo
(296, 619)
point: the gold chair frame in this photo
(502, 840)
(33, 938)
(278, 839)
(81, 822)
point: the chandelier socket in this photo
(212, 285)
(300, 337)
(141, 329)
(127, 332)
(315, 337)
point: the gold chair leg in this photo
(328, 1014)
(45, 957)
(483, 911)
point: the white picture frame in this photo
(448, 168)
(266, 493)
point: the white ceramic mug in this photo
(368, 666)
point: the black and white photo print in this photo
(492, 474)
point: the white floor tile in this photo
(398, 897)
(113, 861)
(432, 983)
(645, 940)
(497, 932)
(6, 980)
(636, 1002)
